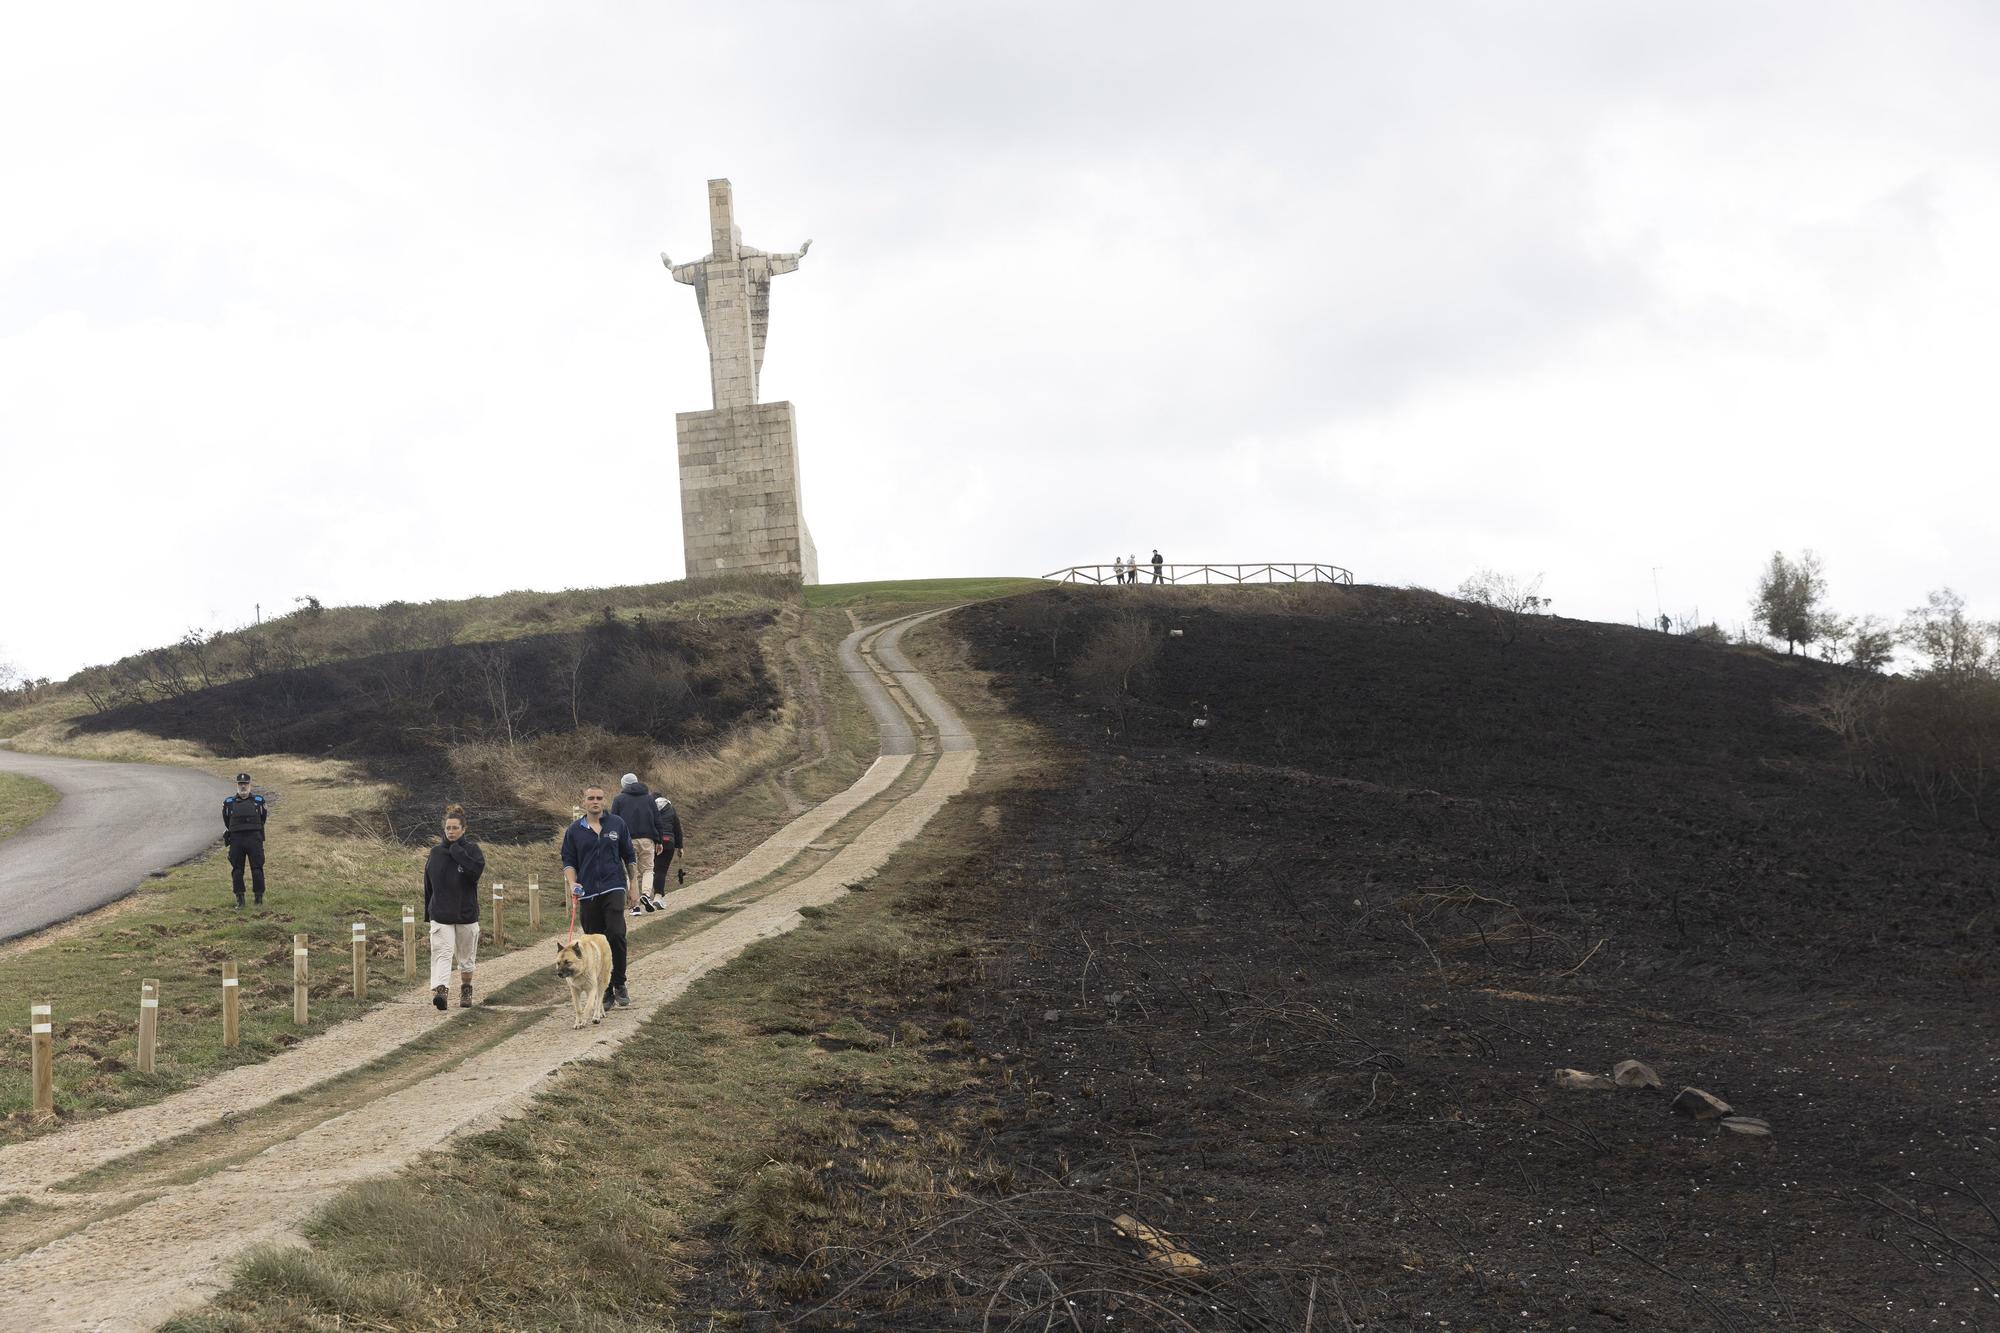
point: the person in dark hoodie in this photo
(451, 906)
(634, 805)
(670, 842)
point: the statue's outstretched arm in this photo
(787, 263)
(682, 273)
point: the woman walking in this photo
(451, 905)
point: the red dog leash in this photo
(572, 918)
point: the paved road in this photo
(115, 825)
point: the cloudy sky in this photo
(364, 301)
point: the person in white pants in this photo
(451, 906)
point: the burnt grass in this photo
(398, 714)
(1292, 989)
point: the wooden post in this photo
(299, 980)
(534, 903)
(41, 1043)
(231, 990)
(149, 1023)
(409, 942)
(360, 960)
(499, 915)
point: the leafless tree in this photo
(1506, 592)
(494, 671)
(572, 664)
(1115, 658)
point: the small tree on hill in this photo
(1954, 645)
(1872, 644)
(1788, 600)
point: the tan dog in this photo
(586, 966)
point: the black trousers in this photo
(605, 915)
(246, 847)
(661, 860)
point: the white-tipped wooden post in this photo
(231, 994)
(149, 1024)
(42, 1056)
(499, 915)
(360, 960)
(534, 904)
(409, 942)
(299, 980)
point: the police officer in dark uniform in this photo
(243, 817)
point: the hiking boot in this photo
(465, 995)
(260, 900)
(624, 1000)
(437, 996)
(239, 902)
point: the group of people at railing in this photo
(1127, 570)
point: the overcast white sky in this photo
(363, 301)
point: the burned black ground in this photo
(398, 714)
(1292, 988)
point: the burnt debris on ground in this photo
(1288, 993)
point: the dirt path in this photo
(159, 1239)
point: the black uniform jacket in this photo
(451, 882)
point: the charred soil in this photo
(400, 713)
(1290, 990)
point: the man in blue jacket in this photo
(596, 852)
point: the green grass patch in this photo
(182, 927)
(23, 800)
(913, 594)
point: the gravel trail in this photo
(138, 1264)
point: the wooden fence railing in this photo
(1274, 572)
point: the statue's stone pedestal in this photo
(740, 509)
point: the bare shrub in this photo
(1048, 613)
(1507, 599)
(1935, 737)
(1506, 592)
(1118, 656)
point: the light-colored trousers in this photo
(639, 876)
(452, 946)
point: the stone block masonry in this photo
(740, 501)
(740, 497)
